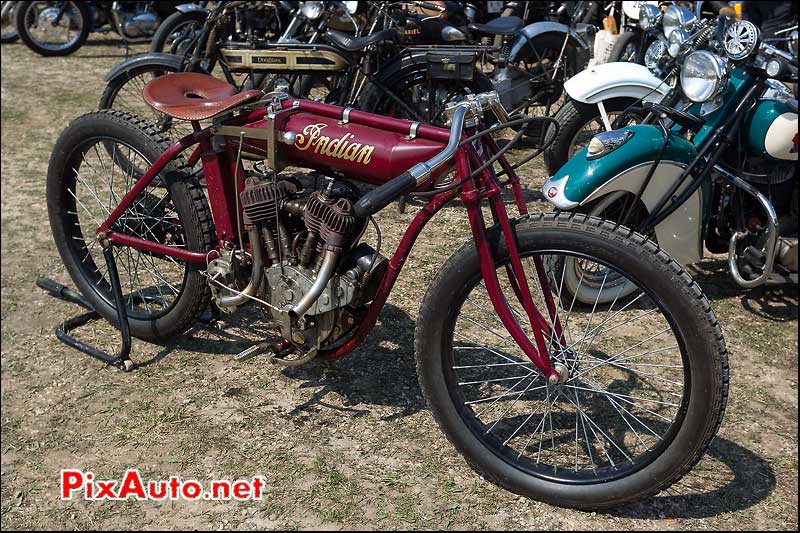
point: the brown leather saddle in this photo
(192, 96)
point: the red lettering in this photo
(71, 480)
(106, 490)
(241, 490)
(258, 484)
(132, 485)
(191, 490)
(218, 487)
(157, 490)
(174, 483)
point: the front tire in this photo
(627, 48)
(33, 21)
(581, 446)
(177, 31)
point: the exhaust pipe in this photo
(324, 275)
(255, 277)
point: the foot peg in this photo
(249, 353)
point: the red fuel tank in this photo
(361, 146)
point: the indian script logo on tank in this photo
(338, 148)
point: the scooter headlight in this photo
(677, 17)
(703, 76)
(648, 16)
(676, 39)
(311, 10)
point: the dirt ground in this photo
(343, 445)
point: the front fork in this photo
(471, 196)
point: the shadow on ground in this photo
(709, 491)
(379, 372)
(777, 304)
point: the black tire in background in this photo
(573, 117)
(9, 34)
(670, 289)
(23, 16)
(404, 82)
(189, 220)
(186, 23)
(627, 48)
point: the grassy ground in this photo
(346, 444)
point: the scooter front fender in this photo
(614, 80)
(581, 182)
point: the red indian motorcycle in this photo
(586, 406)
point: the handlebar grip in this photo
(432, 7)
(378, 198)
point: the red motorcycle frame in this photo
(398, 144)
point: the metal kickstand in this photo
(57, 290)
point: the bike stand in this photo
(57, 290)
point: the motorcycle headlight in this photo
(648, 16)
(654, 53)
(677, 17)
(703, 76)
(311, 10)
(676, 39)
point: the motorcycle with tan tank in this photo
(580, 406)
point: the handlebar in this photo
(380, 197)
(428, 5)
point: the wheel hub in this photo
(48, 15)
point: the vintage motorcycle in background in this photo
(55, 28)
(580, 406)
(401, 64)
(721, 174)
(9, 30)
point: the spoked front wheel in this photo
(91, 169)
(644, 377)
(53, 28)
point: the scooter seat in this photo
(349, 43)
(498, 26)
(192, 96)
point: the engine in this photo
(317, 277)
(135, 23)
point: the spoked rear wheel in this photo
(644, 378)
(91, 170)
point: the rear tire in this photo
(667, 288)
(411, 85)
(164, 296)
